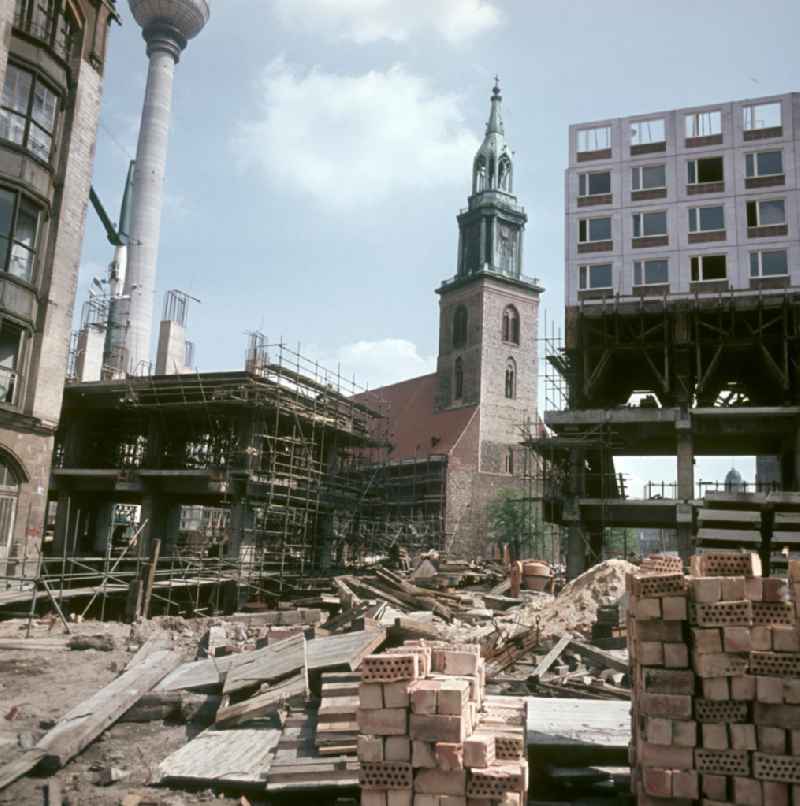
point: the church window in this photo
(511, 325)
(460, 327)
(511, 379)
(459, 372)
(507, 248)
(510, 461)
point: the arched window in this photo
(459, 373)
(510, 461)
(511, 379)
(460, 327)
(479, 178)
(511, 325)
(9, 490)
(504, 180)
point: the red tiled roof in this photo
(415, 429)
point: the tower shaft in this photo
(148, 191)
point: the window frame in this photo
(698, 217)
(640, 272)
(756, 203)
(695, 119)
(583, 181)
(637, 177)
(510, 327)
(759, 255)
(509, 461)
(751, 158)
(30, 122)
(460, 334)
(511, 379)
(586, 131)
(458, 371)
(14, 392)
(19, 198)
(701, 259)
(638, 219)
(639, 122)
(587, 222)
(585, 277)
(751, 109)
(695, 162)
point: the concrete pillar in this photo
(103, 525)
(171, 352)
(576, 552)
(148, 188)
(89, 361)
(685, 451)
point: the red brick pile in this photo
(427, 736)
(715, 661)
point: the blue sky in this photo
(321, 150)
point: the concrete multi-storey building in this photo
(682, 303)
(52, 55)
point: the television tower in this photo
(167, 26)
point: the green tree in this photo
(516, 519)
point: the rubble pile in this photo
(716, 683)
(428, 736)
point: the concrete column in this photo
(685, 451)
(148, 188)
(576, 552)
(797, 461)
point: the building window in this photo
(459, 373)
(594, 276)
(766, 213)
(763, 163)
(769, 264)
(708, 169)
(648, 177)
(9, 491)
(28, 112)
(460, 327)
(646, 225)
(709, 267)
(11, 343)
(49, 22)
(704, 124)
(19, 222)
(706, 219)
(510, 461)
(762, 116)
(594, 184)
(594, 229)
(511, 379)
(595, 139)
(650, 272)
(511, 325)
(645, 132)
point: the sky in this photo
(321, 149)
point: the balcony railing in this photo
(492, 271)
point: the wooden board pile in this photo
(427, 735)
(716, 683)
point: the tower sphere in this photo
(188, 16)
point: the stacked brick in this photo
(427, 736)
(715, 662)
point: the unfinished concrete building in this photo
(52, 56)
(682, 320)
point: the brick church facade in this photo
(468, 417)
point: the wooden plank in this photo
(19, 766)
(263, 665)
(34, 644)
(84, 723)
(554, 722)
(601, 657)
(346, 650)
(240, 757)
(261, 704)
(551, 657)
(150, 646)
(199, 675)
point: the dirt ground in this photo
(38, 687)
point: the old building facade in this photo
(469, 416)
(52, 54)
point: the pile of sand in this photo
(575, 608)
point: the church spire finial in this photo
(495, 123)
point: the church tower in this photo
(488, 312)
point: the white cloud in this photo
(378, 363)
(346, 140)
(364, 21)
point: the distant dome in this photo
(188, 16)
(733, 480)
